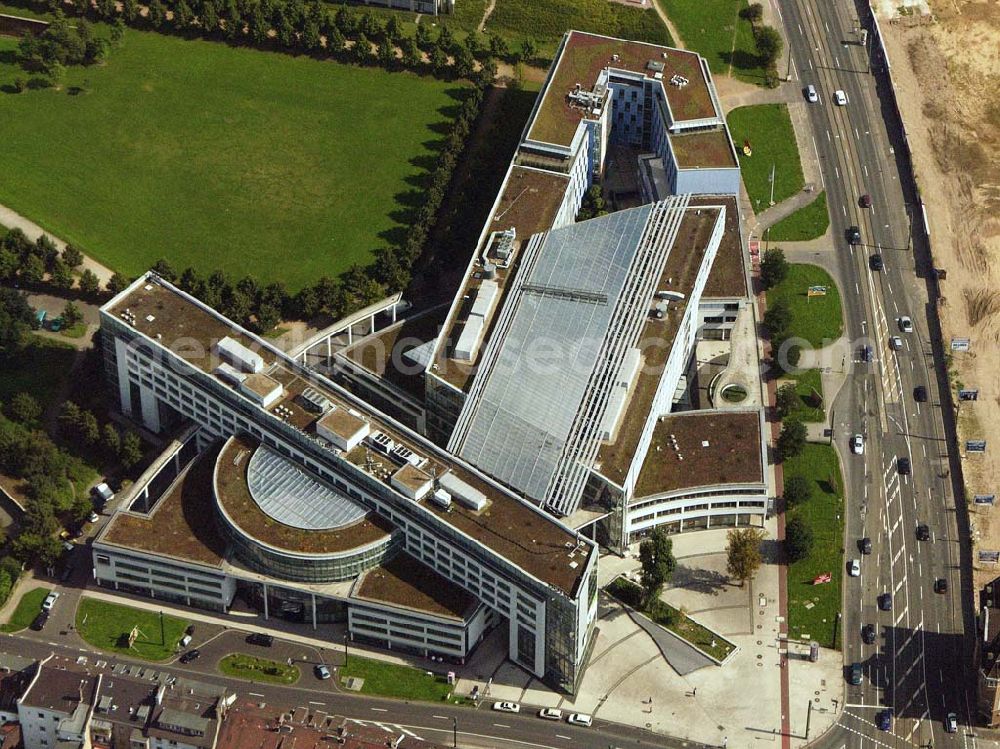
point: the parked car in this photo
(875, 262)
(550, 713)
(322, 672)
(50, 601)
(856, 675)
(39, 621)
(811, 96)
(858, 444)
(868, 634)
(580, 719)
(884, 720)
(840, 98)
(923, 532)
(189, 630)
(853, 235)
(67, 545)
(260, 638)
(866, 545)
(895, 343)
(191, 655)
(865, 201)
(185, 641)
(903, 466)
(93, 517)
(854, 568)
(905, 324)
(941, 585)
(507, 707)
(885, 602)
(920, 394)
(951, 723)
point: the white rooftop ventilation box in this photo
(342, 428)
(411, 482)
(462, 492)
(261, 389)
(239, 355)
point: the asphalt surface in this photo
(919, 665)
(482, 727)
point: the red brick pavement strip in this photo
(786, 738)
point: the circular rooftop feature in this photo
(734, 393)
(291, 496)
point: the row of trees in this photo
(311, 28)
(767, 39)
(40, 264)
(81, 425)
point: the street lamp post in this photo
(454, 728)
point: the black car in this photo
(903, 466)
(853, 234)
(867, 354)
(923, 532)
(259, 638)
(920, 394)
(189, 630)
(868, 634)
(940, 585)
(884, 720)
(866, 545)
(40, 620)
(190, 655)
(885, 602)
(875, 262)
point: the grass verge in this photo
(817, 319)
(672, 619)
(392, 680)
(812, 609)
(772, 140)
(808, 383)
(222, 157)
(106, 626)
(242, 666)
(809, 222)
(714, 29)
(26, 611)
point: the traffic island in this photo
(26, 611)
(138, 633)
(252, 668)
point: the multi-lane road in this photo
(918, 665)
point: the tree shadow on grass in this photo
(8, 57)
(746, 62)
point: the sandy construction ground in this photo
(947, 72)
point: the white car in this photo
(840, 98)
(93, 517)
(507, 707)
(550, 713)
(811, 96)
(855, 569)
(895, 343)
(905, 324)
(858, 444)
(579, 719)
(50, 601)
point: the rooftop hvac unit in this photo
(229, 375)
(462, 492)
(405, 455)
(313, 400)
(670, 296)
(489, 270)
(441, 498)
(381, 442)
(239, 355)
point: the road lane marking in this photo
(442, 717)
(379, 710)
(501, 725)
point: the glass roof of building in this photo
(568, 307)
(293, 497)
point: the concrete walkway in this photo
(14, 220)
(683, 658)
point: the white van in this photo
(185, 641)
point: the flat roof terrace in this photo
(584, 56)
(728, 277)
(529, 203)
(182, 524)
(657, 338)
(235, 498)
(704, 149)
(716, 447)
(405, 581)
(183, 327)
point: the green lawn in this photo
(249, 667)
(824, 512)
(547, 21)
(714, 29)
(809, 222)
(221, 157)
(772, 141)
(391, 680)
(817, 319)
(106, 626)
(26, 611)
(38, 370)
(808, 382)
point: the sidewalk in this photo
(33, 231)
